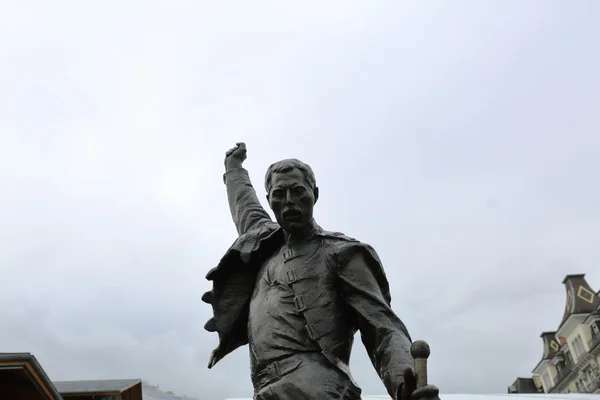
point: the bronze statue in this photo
(297, 294)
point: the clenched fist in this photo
(234, 157)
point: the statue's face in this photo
(292, 200)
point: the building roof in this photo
(551, 346)
(23, 370)
(581, 298)
(523, 385)
(519, 396)
(96, 386)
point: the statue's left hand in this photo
(427, 392)
(408, 390)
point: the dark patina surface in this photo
(297, 294)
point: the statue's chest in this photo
(283, 268)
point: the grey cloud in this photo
(474, 125)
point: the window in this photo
(578, 349)
(591, 377)
(596, 330)
(584, 382)
(546, 382)
(568, 359)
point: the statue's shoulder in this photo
(342, 244)
(269, 227)
(338, 237)
(341, 249)
(261, 232)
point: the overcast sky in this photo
(460, 139)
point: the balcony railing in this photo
(566, 370)
(594, 342)
(562, 374)
(592, 387)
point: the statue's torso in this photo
(297, 312)
(296, 306)
(275, 328)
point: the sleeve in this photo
(246, 211)
(365, 289)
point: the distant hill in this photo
(154, 392)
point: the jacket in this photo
(356, 267)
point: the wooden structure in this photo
(22, 377)
(114, 389)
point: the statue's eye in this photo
(277, 193)
(299, 190)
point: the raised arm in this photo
(246, 211)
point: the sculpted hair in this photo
(288, 165)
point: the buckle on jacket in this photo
(300, 303)
(273, 370)
(312, 332)
(287, 255)
(291, 276)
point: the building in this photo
(525, 385)
(154, 392)
(112, 389)
(23, 378)
(571, 359)
(538, 396)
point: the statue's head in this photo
(292, 193)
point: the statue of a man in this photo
(297, 294)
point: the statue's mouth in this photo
(292, 215)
